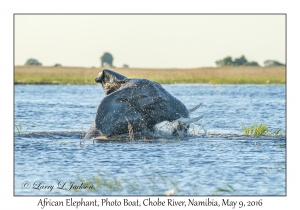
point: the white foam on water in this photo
(179, 127)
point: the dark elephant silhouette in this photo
(107, 60)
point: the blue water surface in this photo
(49, 151)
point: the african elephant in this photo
(107, 60)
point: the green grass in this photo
(256, 129)
(179, 139)
(20, 129)
(220, 75)
(228, 190)
(155, 184)
(281, 145)
(106, 184)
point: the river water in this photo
(215, 158)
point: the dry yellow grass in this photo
(220, 75)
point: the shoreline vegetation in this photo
(205, 75)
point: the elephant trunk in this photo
(98, 80)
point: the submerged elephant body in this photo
(140, 102)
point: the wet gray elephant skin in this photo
(140, 102)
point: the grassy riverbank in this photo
(220, 75)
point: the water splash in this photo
(181, 127)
